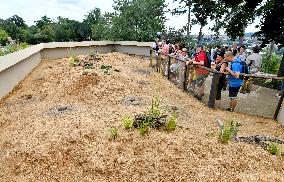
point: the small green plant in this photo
(143, 128)
(105, 68)
(155, 107)
(172, 123)
(127, 122)
(113, 132)
(274, 148)
(89, 66)
(74, 61)
(227, 133)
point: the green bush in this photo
(227, 133)
(271, 65)
(113, 133)
(10, 48)
(127, 122)
(3, 37)
(172, 123)
(274, 148)
(143, 128)
(155, 108)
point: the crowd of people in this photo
(230, 61)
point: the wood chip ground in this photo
(55, 127)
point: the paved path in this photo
(261, 101)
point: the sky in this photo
(32, 10)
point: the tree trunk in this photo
(189, 3)
(199, 35)
(281, 69)
(270, 50)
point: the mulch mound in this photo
(55, 127)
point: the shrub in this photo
(3, 37)
(274, 148)
(113, 133)
(127, 122)
(10, 48)
(74, 61)
(227, 133)
(155, 108)
(143, 128)
(271, 66)
(172, 123)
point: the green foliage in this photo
(105, 68)
(10, 48)
(113, 133)
(172, 123)
(138, 20)
(74, 61)
(3, 37)
(143, 128)
(227, 133)
(89, 66)
(127, 122)
(271, 65)
(155, 108)
(274, 148)
(272, 24)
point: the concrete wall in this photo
(11, 76)
(16, 66)
(60, 52)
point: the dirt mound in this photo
(84, 82)
(55, 127)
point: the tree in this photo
(103, 29)
(273, 16)
(3, 37)
(138, 19)
(202, 9)
(184, 7)
(13, 26)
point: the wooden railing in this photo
(215, 78)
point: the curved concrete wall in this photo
(16, 66)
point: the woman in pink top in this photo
(166, 48)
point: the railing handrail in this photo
(226, 73)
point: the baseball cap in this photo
(184, 50)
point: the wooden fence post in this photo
(158, 62)
(279, 105)
(185, 77)
(151, 57)
(213, 91)
(169, 67)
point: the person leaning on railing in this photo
(235, 82)
(220, 65)
(200, 58)
(254, 62)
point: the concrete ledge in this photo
(13, 58)
(12, 76)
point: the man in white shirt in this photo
(254, 61)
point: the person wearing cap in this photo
(235, 82)
(220, 65)
(200, 58)
(183, 56)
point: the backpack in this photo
(245, 68)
